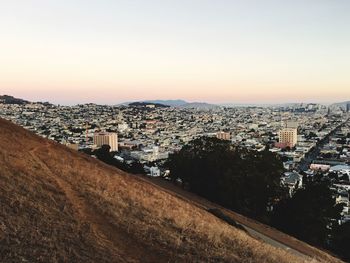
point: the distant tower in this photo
(348, 107)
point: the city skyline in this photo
(219, 52)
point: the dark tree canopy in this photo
(243, 180)
(341, 240)
(310, 214)
(105, 155)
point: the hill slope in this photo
(6, 99)
(57, 205)
(172, 103)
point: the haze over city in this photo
(109, 52)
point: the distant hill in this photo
(172, 103)
(148, 104)
(6, 99)
(199, 106)
(59, 205)
(175, 103)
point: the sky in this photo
(218, 51)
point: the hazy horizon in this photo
(109, 52)
(187, 101)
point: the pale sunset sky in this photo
(218, 51)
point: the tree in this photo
(104, 155)
(312, 135)
(340, 241)
(284, 158)
(344, 177)
(333, 175)
(309, 214)
(243, 180)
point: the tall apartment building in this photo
(288, 137)
(106, 138)
(223, 135)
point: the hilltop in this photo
(174, 103)
(6, 99)
(58, 205)
(147, 104)
(199, 106)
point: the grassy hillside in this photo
(57, 205)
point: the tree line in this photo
(249, 182)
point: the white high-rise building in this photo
(106, 138)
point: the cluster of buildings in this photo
(150, 134)
(310, 138)
(302, 134)
(333, 162)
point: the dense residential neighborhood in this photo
(148, 132)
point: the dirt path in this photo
(255, 229)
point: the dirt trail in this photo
(254, 229)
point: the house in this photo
(343, 169)
(155, 171)
(292, 180)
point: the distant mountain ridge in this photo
(200, 106)
(146, 104)
(177, 104)
(171, 103)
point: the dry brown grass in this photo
(61, 206)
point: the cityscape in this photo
(175, 131)
(310, 138)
